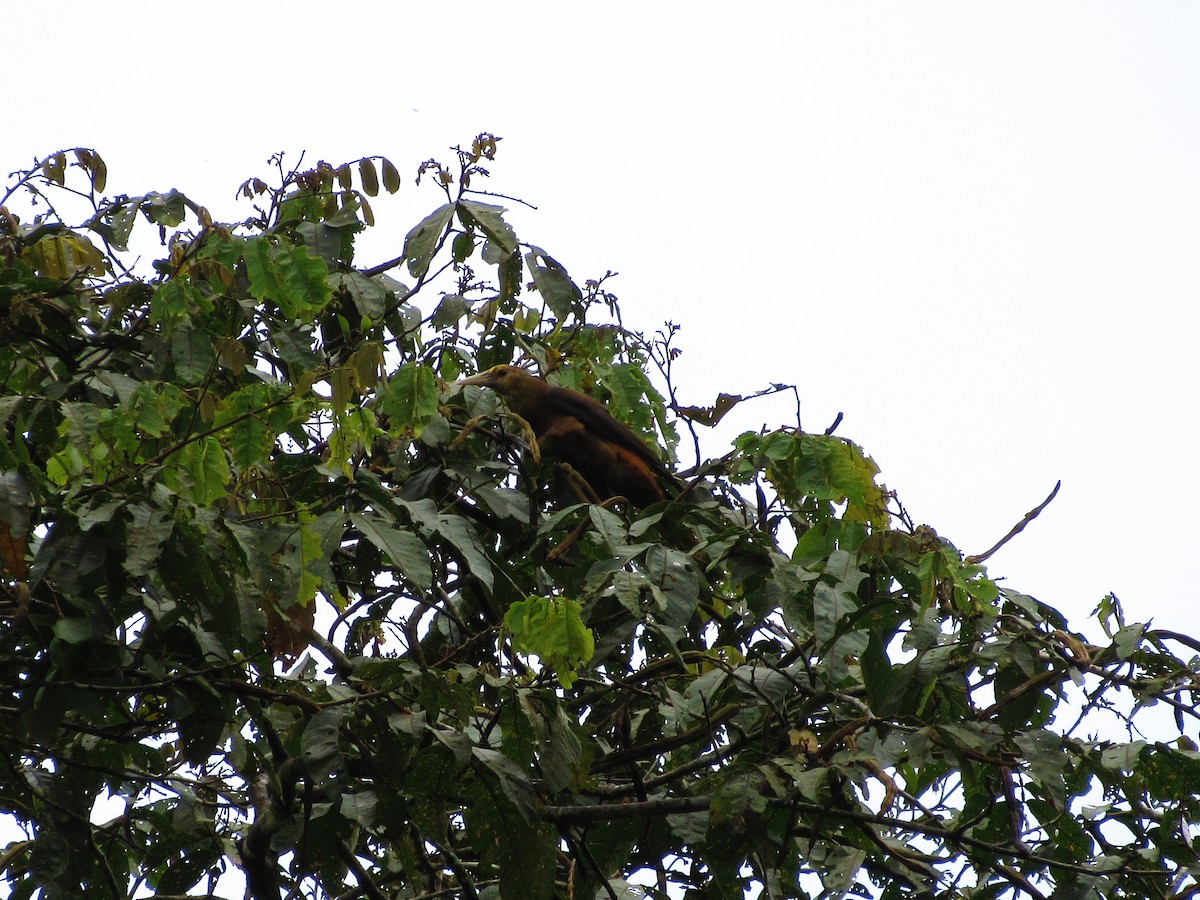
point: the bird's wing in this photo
(595, 417)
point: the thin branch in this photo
(1018, 528)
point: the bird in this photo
(578, 430)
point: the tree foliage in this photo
(277, 594)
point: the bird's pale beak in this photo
(483, 379)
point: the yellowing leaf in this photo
(64, 256)
(369, 177)
(391, 177)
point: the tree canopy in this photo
(280, 595)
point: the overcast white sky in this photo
(972, 228)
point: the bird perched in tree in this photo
(580, 431)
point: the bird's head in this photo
(508, 381)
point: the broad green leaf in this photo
(463, 246)
(192, 353)
(166, 209)
(148, 527)
(360, 807)
(450, 311)
(407, 551)
(312, 556)
(16, 502)
(153, 406)
(675, 584)
(252, 419)
(509, 275)
(552, 628)
(320, 748)
(514, 782)
(521, 850)
(95, 166)
(422, 241)
(1127, 640)
(203, 468)
(490, 220)
(459, 533)
(174, 300)
(120, 219)
(73, 631)
(1047, 757)
(553, 283)
(559, 750)
(369, 296)
(1169, 774)
(711, 415)
(287, 276)
(410, 399)
(609, 526)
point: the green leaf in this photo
(634, 397)
(73, 631)
(204, 469)
(410, 399)
(1169, 775)
(311, 553)
(521, 851)
(320, 748)
(711, 415)
(252, 419)
(553, 283)
(369, 296)
(1127, 640)
(463, 246)
(675, 584)
(192, 353)
(450, 311)
(552, 628)
(95, 167)
(64, 256)
(360, 808)
(509, 276)
(166, 209)
(174, 300)
(490, 220)
(514, 783)
(458, 532)
(147, 530)
(878, 676)
(293, 280)
(422, 241)
(559, 750)
(403, 548)
(819, 466)
(1047, 757)
(120, 221)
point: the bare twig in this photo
(1018, 528)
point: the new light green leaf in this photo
(552, 629)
